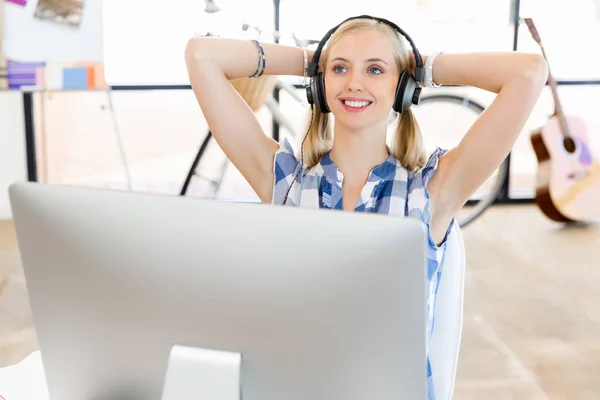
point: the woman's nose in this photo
(354, 83)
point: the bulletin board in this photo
(3, 81)
(64, 34)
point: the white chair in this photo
(448, 316)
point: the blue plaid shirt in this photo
(390, 189)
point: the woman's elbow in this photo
(194, 52)
(536, 70)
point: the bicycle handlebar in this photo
(292, 91)
(278, 35)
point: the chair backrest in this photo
(448, 316)
(255, 91)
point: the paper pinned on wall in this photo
(22, 3)
(62, 12)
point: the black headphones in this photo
(408, 90)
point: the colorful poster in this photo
(63, 12)
(22, 74)
(55, 75)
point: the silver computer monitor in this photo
(321, 304)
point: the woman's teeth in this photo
(356, 104)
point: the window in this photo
(144, 40)
(461, 25)
(578, 101)
(568, 34)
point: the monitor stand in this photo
(194, 373)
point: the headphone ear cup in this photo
(312, 92)
(315, 93)
(309, 92)
(406, 91)
(320, 92)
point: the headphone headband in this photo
(314, 64)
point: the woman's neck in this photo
(357, 153)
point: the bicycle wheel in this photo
(444, 119)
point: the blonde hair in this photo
(407, 144)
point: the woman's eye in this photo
(375, 70)
(339, 69)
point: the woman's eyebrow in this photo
(373, 59)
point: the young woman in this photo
(345, 161)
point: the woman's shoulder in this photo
(418, 198)
(286, 167)
(420, 177)
(285, 161)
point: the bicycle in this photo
(432, 109)
(257, 92)
(428, 111)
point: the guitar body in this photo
(568, 176)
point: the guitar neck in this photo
(558, 109)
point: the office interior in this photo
(531, 308)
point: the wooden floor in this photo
(532, 308)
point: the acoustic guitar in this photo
(568, 175)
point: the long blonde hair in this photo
(407, 144)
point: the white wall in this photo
(3, 82)
(13, 161)
(27, 38)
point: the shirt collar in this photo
(381, 172)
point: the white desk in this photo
(191, 373)
(25, 380)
